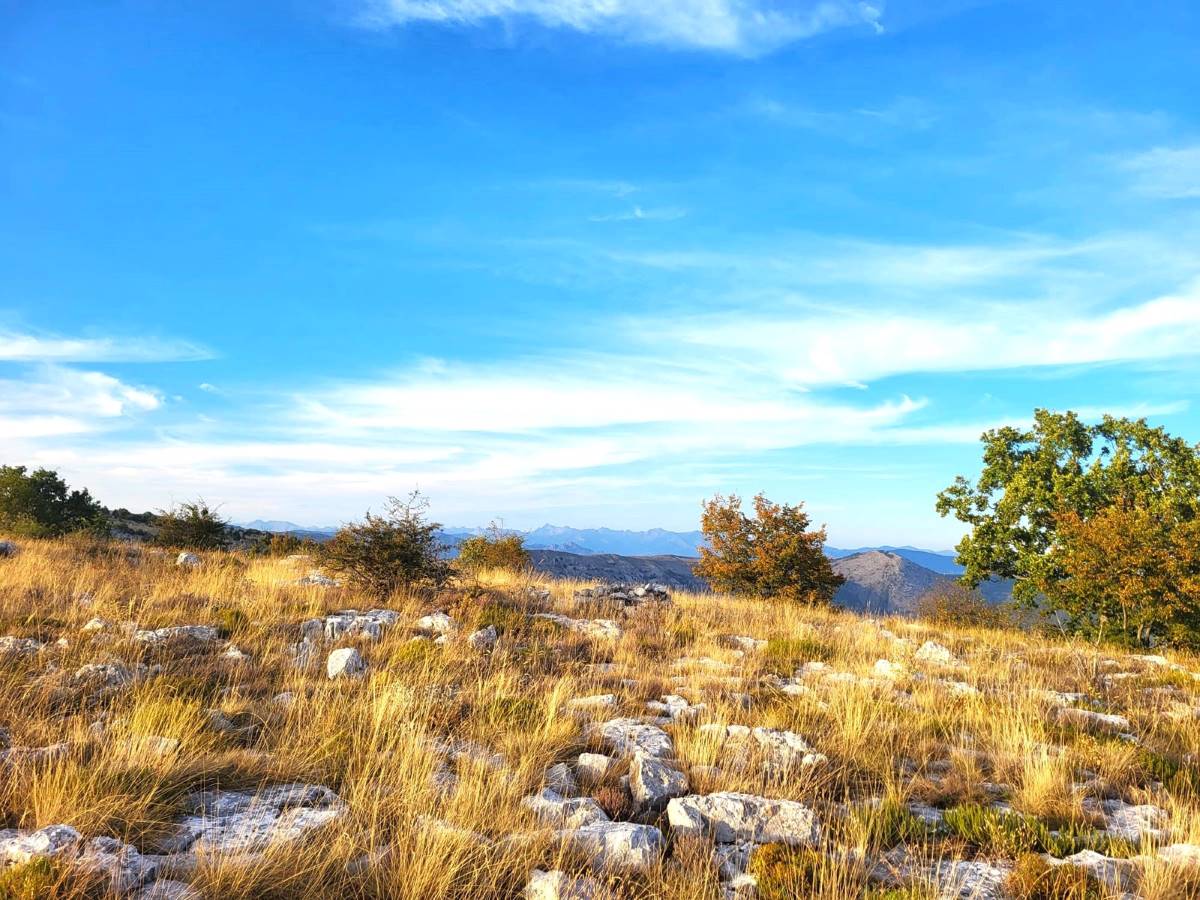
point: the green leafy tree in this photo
(1037, 483)
(383, 554)
(39, 504)
(774, 554)
(192, 526)
(496, 549)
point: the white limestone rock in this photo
(236, 822)
(617, 846)
(187, 560)
(558, 885)
(552, 808)
(157, 636)
(597, 629)
(19, 847)
(592, 766)
(484, 639)
(629, 736)
(938, 654)
(345, 663)
(653, 783)
(729, 816)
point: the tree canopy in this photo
(39, 504)
(1081, 516)
(774, 554)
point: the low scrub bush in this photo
(1032, 878)
(783, 655)
(1012, 833)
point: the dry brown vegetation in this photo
(957, 738)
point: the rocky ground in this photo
(228, 726)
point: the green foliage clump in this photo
(785, 872)
(1098, 524)
(772, 555)
(231, 620)
(33, 880)
(1032, 878)
(383, 554)
(883, 826)
(1009, 833)
(496, 549)
(783, 655)
(192, 526)
(39, 504)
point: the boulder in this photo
(201, 633)
(652, 782)
(561, 780)
(558, 885)
(484, 639)
(629, 736)
(598, 629)
(103, 675)
(121, 866)
(345, 663)
(552, 808)
(617, 845)
(237, 822)
(592, 766)
(8, 548)
(19, 847)
(437, 623)
(729, 816)
(168, 889)
(15, 646)
(187, 560)
(933, 652)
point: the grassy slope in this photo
(367, 739)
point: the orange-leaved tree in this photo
(774, 554)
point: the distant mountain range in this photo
(881, 580)
(654, 542)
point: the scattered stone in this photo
(592, 766)
(569, 812)
(437, 623)
(8, 548)
(96, 624)
(16, 646)
(624, 595)
(19, 847)
(729, 816)
(33, 756)
(235, 822)
(885, 668)
(122, 866)
(103, 675)
(448, 831)
(187, 560)
(600, 629)
(484, 639)
(203, 633)
(168, 889)
(1115, 874)
(617, 845)
(349, 623)
(561, 780)
(316, 579)
(783, 751)
(1091, 721)
(933, 652)
(1128, 821)
(629, 736)
(652, 782)
(345, 663)
(673, 708)
(558, 885)
(233, 653)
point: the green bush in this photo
(886, 825)
(39, 504)
(383, 554)
(192, 526)
(1010, 834)
(785, 872)
(494, 550)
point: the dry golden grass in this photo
(369, 740)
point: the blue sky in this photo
(559, 260)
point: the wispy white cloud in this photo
(853, 347)
(1171, 173)
(738, 26)
(24, 347)
(53, 400)
(643, 214)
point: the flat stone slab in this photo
(729, 816)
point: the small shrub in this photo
(494, 550)
(1032, 878)
(1012, 833)
(783, 655)
(614, 799)
(192, 526)
(383, 554)
(415, 654)
(230, 620)
(785, 872)
(886, 825)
